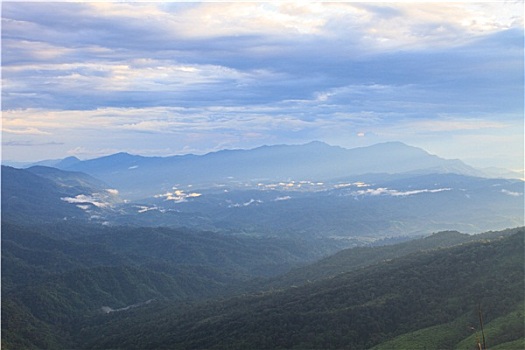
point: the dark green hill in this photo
(29, 256)
(243, 255)
(357, 310)
(26, 196)
(56, 275)
(50, 308)
(358, 257)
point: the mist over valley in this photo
(262, 175)
(84, 243)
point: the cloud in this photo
(96, 199)
(30, 143)
(25, 131)
(245, 204)
(178, 196)
(395, 193)
(511, 193)
(108, 76)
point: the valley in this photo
(308, 175)
(307, 246)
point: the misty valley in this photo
(306, 246)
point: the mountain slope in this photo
(76, 182)
(44, 194)
(359, 257)
(355, 310)
(506, 331)
(25, 193)
(56, 275)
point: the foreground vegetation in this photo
(170, 288)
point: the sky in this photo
(88, 79)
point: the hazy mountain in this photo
(58, 163)
(44, 194)
(502, 173)
(137, 176)
(75, 182)
(351, 210)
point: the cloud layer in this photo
(88, 79)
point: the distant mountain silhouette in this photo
(138, 176)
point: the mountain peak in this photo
(316, 143)
(394, 145)
(119, 157)
(67, 162)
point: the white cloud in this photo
(511, 193)
(213, 20)
(442, 24)
(245, 204)
(178, 196)
(143, 209)
(95, 199)
(151, 75)
(395, 193)
(24, 130)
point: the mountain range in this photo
(309, 246)
(138, 177)
(309, 191)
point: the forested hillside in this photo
(354, 258)
(406, 296)
(166, 288)
(55, 275)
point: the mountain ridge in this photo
(312, 161)
(358, 309)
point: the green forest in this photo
(90, 287)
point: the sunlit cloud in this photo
(100, 200)
(25, 131)
(178, 196)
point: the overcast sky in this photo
(91, 79)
